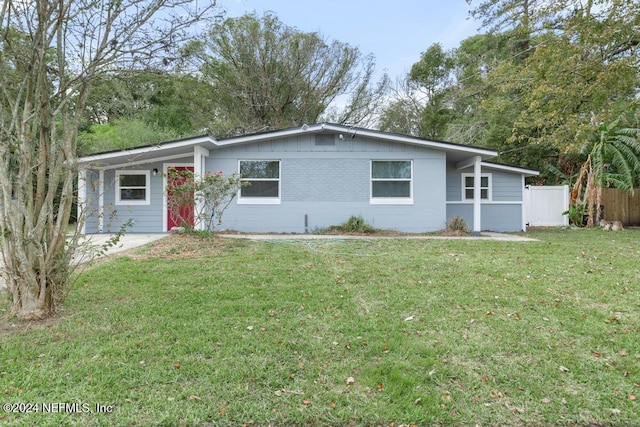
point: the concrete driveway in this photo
(91, 243)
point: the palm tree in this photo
(613, 161)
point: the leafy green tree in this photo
(488, 100)
(50, 54)
(167, 102)
(479, 118)
(449, 96)
(403, 113)
(531, 85)
(268, 75)
(581, 61)
(499, 15)
(590, 71)
(432, 74)
(421, 106)
(122, 133)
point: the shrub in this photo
(355, 224)
(457, 225)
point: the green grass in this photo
(202, 331)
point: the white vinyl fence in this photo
(543, 206)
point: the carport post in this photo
(477, 194)
(199, 155)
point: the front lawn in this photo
(213, 331)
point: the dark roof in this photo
(158, 144)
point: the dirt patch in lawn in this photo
(182, 246)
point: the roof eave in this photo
(256, 137)
(510, 168)
(205, 139)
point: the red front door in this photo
(179, 205)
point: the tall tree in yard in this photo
(534, 85)
(581, 61)
(268, 75)
(422, 104)
(50, 54)
(421, 108)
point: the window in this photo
(391, 181)
(263, 177)
(132, 187)
(467, 186)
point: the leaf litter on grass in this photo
(498, 368)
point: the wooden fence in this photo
(621, 206)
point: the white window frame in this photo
(390, 200)
(488, 187)
(243, 200)
(147, 188)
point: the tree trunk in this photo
(595, 213)
(29, 302)
(36, 269)
(592, 197)
(577, 187)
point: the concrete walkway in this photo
(92, 245)
(126, 242)
(485, 235)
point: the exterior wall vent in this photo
(325, 140)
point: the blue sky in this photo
(396, 32)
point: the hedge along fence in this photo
(621, 206)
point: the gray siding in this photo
(495, 216)
(505, 186)
(91, 213)
(329, 184)
(502, 213)
(318, 180)
(454, 184)
(145, 218)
